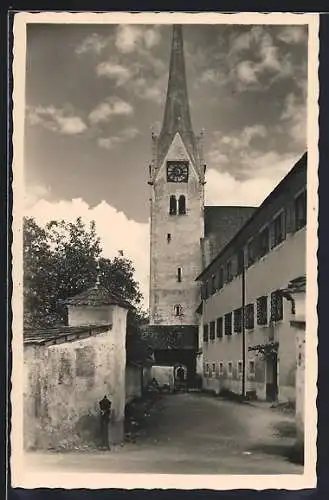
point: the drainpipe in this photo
(243, 325)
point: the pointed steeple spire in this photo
(177, 111)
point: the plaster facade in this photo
(222, 354)
(65, 378)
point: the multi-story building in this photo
(256, 350)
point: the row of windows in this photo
(177, 206)
(218, 368)
(225, 326)
(268, 238)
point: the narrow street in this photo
(191, 434)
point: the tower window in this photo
(178, 310)
(168, 238)
(172, 205)
(179, 274)
(182, 205)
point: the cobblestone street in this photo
(191, 434)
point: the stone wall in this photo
(66, 378)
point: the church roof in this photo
(97, 295)
(235, 217)
(222, 223)
(177, 111)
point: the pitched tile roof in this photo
(95, 296)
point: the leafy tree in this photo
(61, 260)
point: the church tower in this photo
(176, 178)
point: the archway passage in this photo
(179, 357)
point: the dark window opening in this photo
(212, 330)
(219, 328)
(178, 310)
(264, 242)
(300, 210)
(238, 320)
(228, 324)
(250, 316)
(262, 310)
(251, 367)
(205, 333)
(229, 274)
(276, 306)
(240, 261)
(179, 274)
(168, 238)
(213, 284)
(220, 278)
(172, 205)
(278, 230)
(251, 251)
(182, 205)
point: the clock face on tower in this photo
(177, 171)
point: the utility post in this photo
(243, 324)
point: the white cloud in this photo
(146, 90)
(126, 134)
(293, 34)
(267, 171)
(130, 38)
(116, 231)
(93, 43)
(266, 58)
(121, 74)
(62, 120)
(247, 72)
(151, 37)
(295, 115)
(33, 193)
(236, 141)
(113, 106)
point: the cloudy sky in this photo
(94, 93)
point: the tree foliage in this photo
(63, 259)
